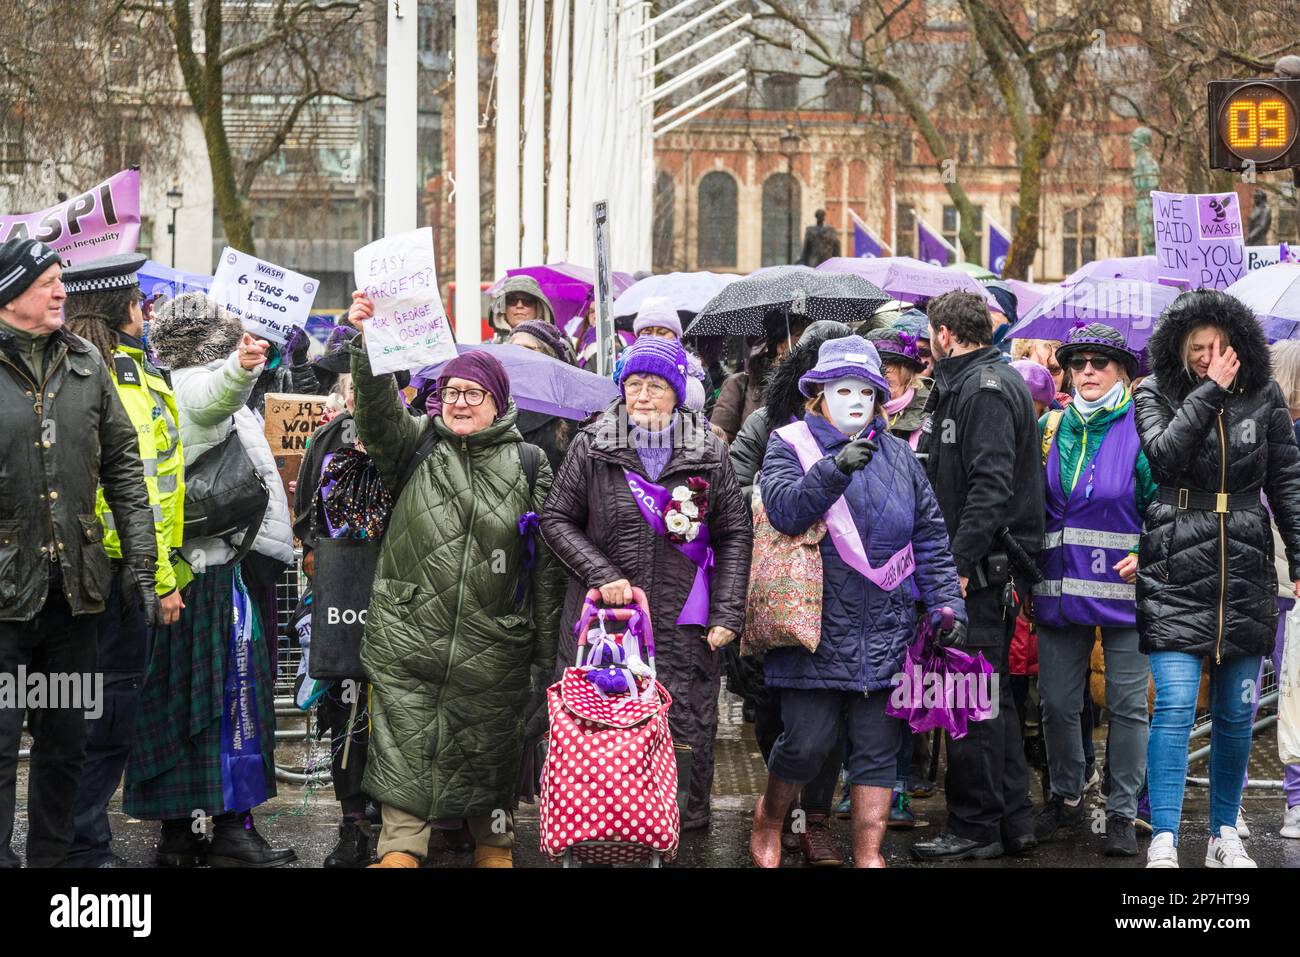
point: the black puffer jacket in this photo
(1206, 584)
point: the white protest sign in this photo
(1257, 257)
(409, 329)
(268, 299)
(1198, 239)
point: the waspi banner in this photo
(102, 221)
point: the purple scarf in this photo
(652, 499)
(840, 524)
(243, 779)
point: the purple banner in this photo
(931, 247)
(1199, 242)
(866, 244)
(999, 246)
(100, 222)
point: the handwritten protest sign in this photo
(100, 222)
(410, 327)
(1199, 241)
(268, 299)
(290, 422)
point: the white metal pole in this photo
(468, 311)
(401, 189)
(534, 207)
(581, 138)
(506, 237)
(557, 177)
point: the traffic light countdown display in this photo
(1253, 124)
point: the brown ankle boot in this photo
(870, 814)
(769, 814)
(818, 844)
(493, 857)
(397, 859)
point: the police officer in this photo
(65, 434)
(981, 441)
(104, 306)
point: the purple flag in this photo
(867, 244)
(102, 221)
(931, 247)
(1199, 242)
(999, 246)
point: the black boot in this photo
(353, 848)
(236, 843)
(180, 846)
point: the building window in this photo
(662, 241)
(905, 148)
(781, 91)
(905, 231)
(12, 159)
(144, 245)
(952, 230)
(428, 146)
(844, 95)
(124, 57)
(717, 221)
(780, 220)
(1078, 238)
(1131, 238)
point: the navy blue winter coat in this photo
(865, 631)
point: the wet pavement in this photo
(306, 817)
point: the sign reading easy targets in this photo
(268, 299)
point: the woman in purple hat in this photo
(1098, 487)
(900, 359)
(606, 520)
(887, 546)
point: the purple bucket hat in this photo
(1098, 337)
(895, 345)
(839, 358)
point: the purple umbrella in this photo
(905, 278)
(1028, 294)
(569, 288)
(1141, 268)
(1129, 306)
(1273, 294)
(539, 383)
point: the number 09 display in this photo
(1255, 122)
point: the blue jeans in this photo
(1232, 683)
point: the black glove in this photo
(143, 581)
(298, 345)
(856, 455)
(954, 637)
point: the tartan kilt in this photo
(175, 763)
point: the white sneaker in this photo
(1162, 852)
(1291, 823)
(1226, 850)
(1243, 829)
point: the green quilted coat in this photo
(446, 649)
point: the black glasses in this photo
(451, 395)
(1098, 362)
(520, 299)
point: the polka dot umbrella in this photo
(756, 304)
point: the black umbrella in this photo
(751, 306)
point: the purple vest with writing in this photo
(1087, 532)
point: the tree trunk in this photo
(231, 206)
(1024, 242)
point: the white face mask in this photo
(850, 402)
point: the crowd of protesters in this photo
(1131, 516)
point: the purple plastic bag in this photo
(942, 687)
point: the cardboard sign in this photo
(1199, 242)
(268, 299)
(290, 421)
(99, 222)
(410, 328)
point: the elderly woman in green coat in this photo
(460, 613)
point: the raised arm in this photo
(1170, 437)
(209, 396)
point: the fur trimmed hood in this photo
(1200, 307)
(192, 330)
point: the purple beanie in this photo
(650, 355)
(1041, 387)
(480, 367)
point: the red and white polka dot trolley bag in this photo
(609, 784)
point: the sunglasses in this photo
(520, 299)
(1077, 363)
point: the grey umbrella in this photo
(758, 303)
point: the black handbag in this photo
(342, 581)
(224, 492)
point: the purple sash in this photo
(840, 524)
(652, 499)
(243, 779)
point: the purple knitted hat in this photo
(1099, 337)
(1041, 387)
(650, 355)
(847, 356)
